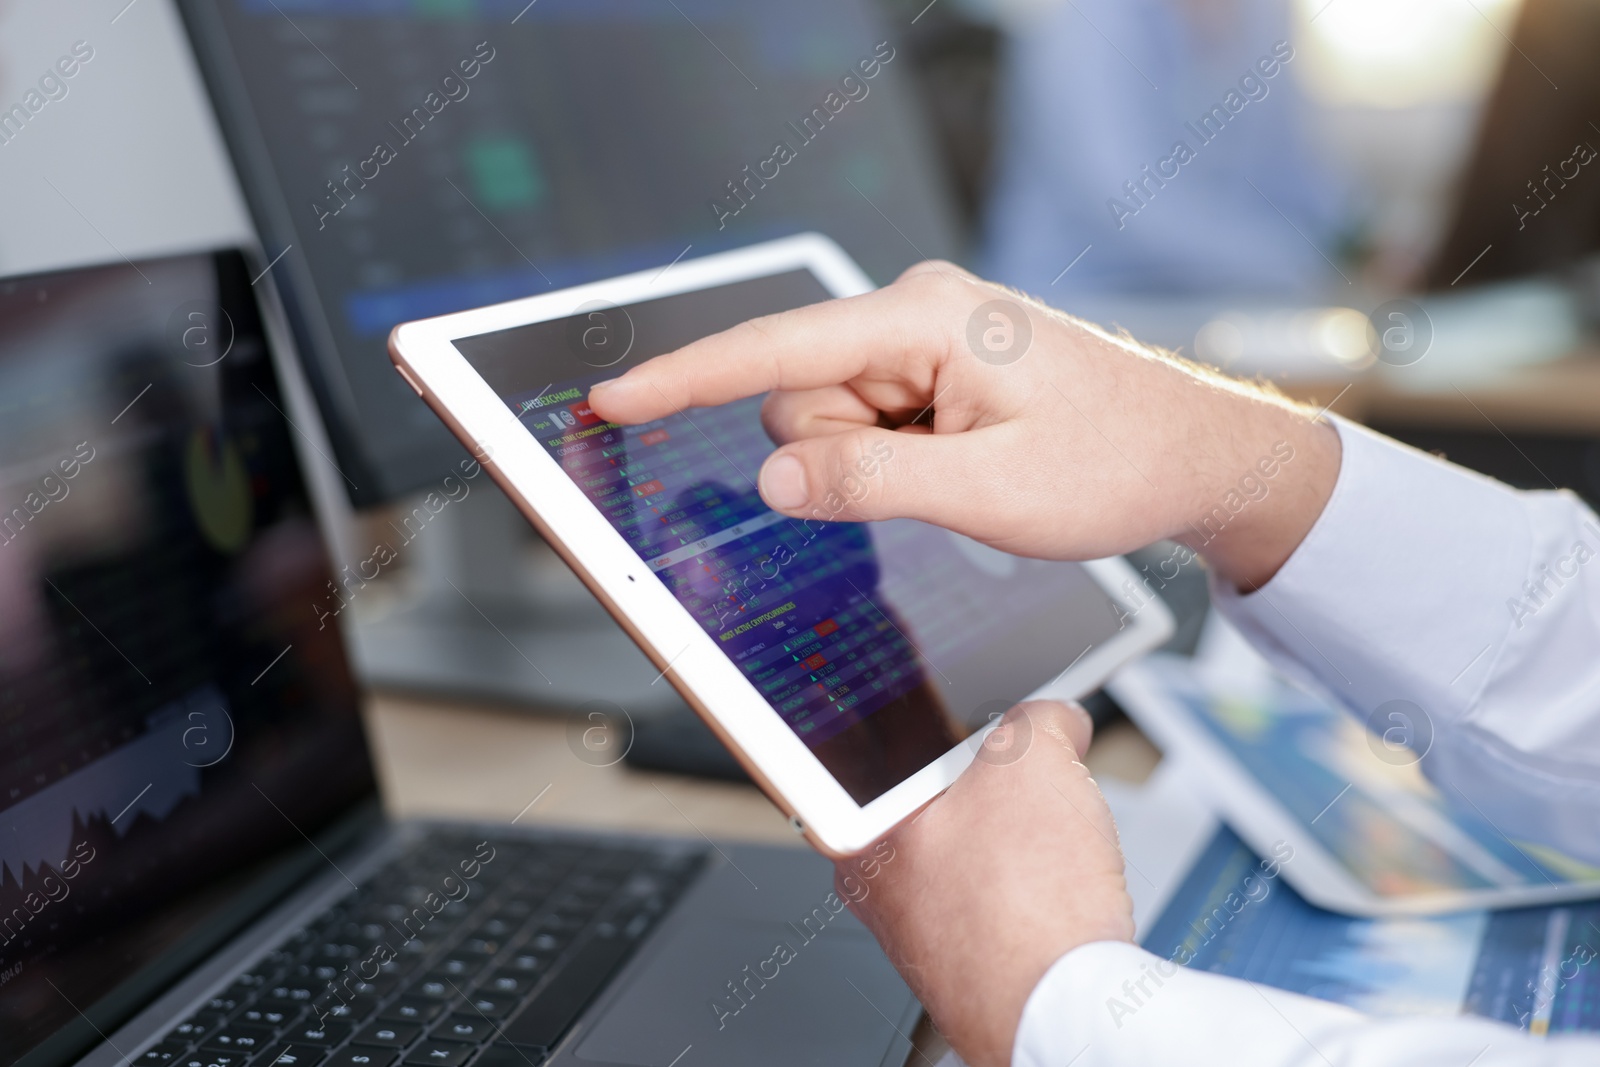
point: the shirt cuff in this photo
(1110, 1003)
(1388, 596)
(1425, 583)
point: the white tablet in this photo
(1356, 826)
(853, 669)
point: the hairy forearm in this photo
(1253, 471)
(1265, 491)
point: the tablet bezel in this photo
(776, 758)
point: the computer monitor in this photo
(1530, 200)
(411, 159)
(405, 158)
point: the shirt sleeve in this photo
(1478, 605)
(1111, 1004)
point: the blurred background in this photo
(1389, 207)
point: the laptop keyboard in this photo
(423, 967)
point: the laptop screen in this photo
(176, 716)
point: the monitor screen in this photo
(175, 716)
(411, 159)
(880, 644)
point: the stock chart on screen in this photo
(880, 644)
(1536, 968)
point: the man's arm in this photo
(1479, 605)
(1421, 582)
(1205, 1020)
(1082, 445)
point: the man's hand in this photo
(1007, 421)
(1014, 865)
(1073, 445)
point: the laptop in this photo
(194, 867)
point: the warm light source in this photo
(1308, 342)
(1400, 53)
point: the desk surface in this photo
(460, 761)
(463, 761)
(1559, 397)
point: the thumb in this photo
(873, 473)
(1053, 733)
(1069, 724)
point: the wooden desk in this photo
(470, 762)
(1560, 397)
(461, 761)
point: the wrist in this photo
(1267, 490)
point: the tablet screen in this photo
(882, 645)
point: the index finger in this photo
(889, 330)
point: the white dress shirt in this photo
(1481, 605)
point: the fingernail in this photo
(1080, 713)
(783, 483)
(1085, 728)
(602, 385)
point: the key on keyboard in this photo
(397, 974)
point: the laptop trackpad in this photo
(795, 1003)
